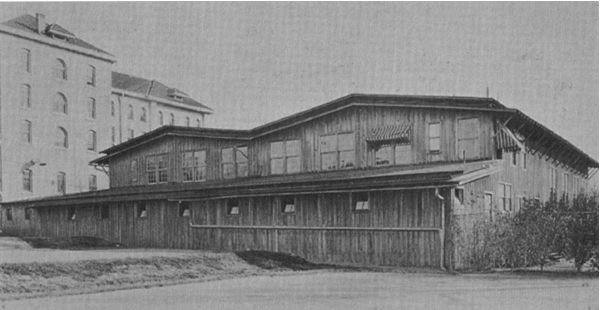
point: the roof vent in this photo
(176, 94)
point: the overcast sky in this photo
(257, 62)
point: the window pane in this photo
(162, 176)
(227, 155)
(383, 155)
(328, 144)
(200, 173)
(277, 166)
(277, 150)
(328, 161)
(434, 130)
(187, 174)
(241, 155)
(293, 164)
(346, 141)
(162, 162)
(200, 158)
(228, 170)
(403, 154)
(292, 148)
(151, 163)
(25, 96)
(242, 170)
(434, 144)
(347, 159)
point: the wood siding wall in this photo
(359, 120)
(402, 228)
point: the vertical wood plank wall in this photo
(165, 228)
(360, 120)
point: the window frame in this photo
(61, 183)
(90, 78)
(63, 140)
(104, 212)
(27, 132)
(143, 115)
(59, 72)
(337, 150)
(524, 160)
(236, 163)
(8, 213)
(194, 168)
(130, 114)
(133, 171)
(285, 156)
(375, 146)
(141, 213)
(28, 213)
(236, 206)
(157, 170)
(25, 96)
(354, 200)
(477, 151)
(172, 120)
(27, 180)
(284, 205)
(92, 183)
(430, 138)
(92, 143)
(502, 195)
(183, 207)
(553, 174)
(71, 214)
(92, 108)
(26, 58)
(61, 107)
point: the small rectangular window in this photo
(9, 216)
(26, 132)
(92, 108)
(514, 158)
(360, 201)
(26, 60)
(468, 138)
(233, 206)
(141, 211)
(28, 213)
(193, 164)
(184, 209)
(288, 204)
(25, 96)
(28, 180)
(524, 160)
(133, 171)
(71, 216)
(104, 212)
(61, 183)
(93, 183)
(434, 137)
(91, 146)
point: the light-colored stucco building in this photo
(59, 106)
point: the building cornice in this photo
(176, 104)
(56, 43)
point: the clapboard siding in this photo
(164, 227)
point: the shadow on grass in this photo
(71, 243)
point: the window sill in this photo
(434, 152)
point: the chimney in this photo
(41, 23)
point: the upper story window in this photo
(112, 108)
(288, 204)
(90, 76)
(26, 132)
(468, 138)
(184, 209)
(338, 151)
(193, 166)
(390, 144)
(505, 196)
(524, 160)
(130, 133)
(198, 124)
(91, 142)
(553, 180)
(60, 69)
(141, 210)
(434, 135)
(234, 162)
(113, 135)
(130, 114)
(133, 171)
(233, 206)
(60, 103)
(93, 182)
(156, 169)
(514, 158)
(172, 119)
(61, 138)
(187, 121)
(92, 108)
(61, 183)
(26, 60)
(285, 157)
(143, 115)
(28, 180)
(161, 119)
(25, 96)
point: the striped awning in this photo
(506, 140)
(400, 133)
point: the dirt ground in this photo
(347, 290)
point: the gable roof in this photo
(29, 23)
(145, 87)
(518, 120)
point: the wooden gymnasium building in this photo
(363, 179)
